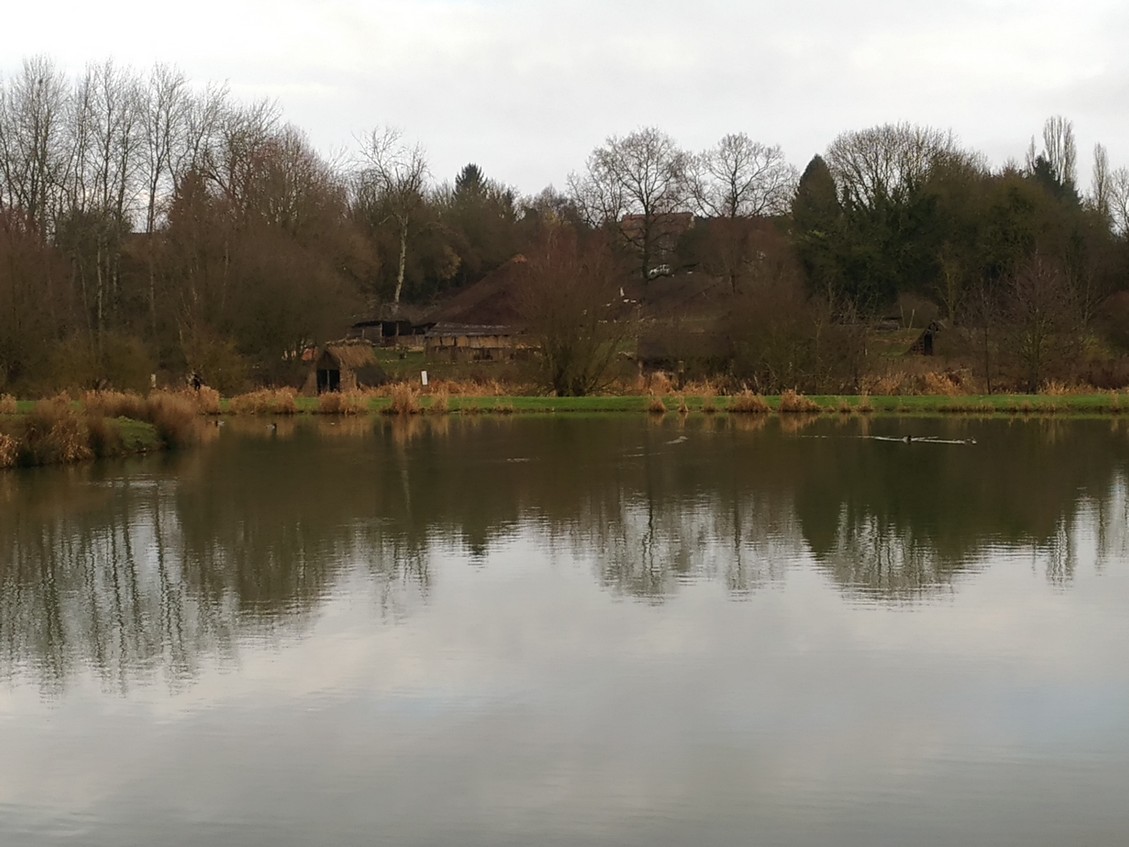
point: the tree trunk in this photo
(403, 263)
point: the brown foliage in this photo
(405, 400)
(792, 402)
(749, 403)
(342, 403)
(56, 432)
(267, 401)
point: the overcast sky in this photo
(526, 89)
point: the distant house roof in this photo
(492, 301)
(472, 330)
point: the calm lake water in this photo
(558, 631)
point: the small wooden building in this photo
(399, 332)
(347, 365)
(475, 342)
(924, 344)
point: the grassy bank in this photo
(102, 424)
(404, 399)
(60, 430)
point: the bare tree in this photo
(1119, 201)
(636, 184)
(392, 176)
(1056, 165)
(164, 109)
(732, 184)
(887, 162)
(1043, 324)
(571, 308)
(1100, 183)
(34, 152)
(742, 178)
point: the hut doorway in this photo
(329, 379)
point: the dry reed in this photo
(656, 406)
(405, 400)
(9, 451)
(8, 405)
(267, 401)
(206, 399)
(748, 403)
(440, 403)
(792, 402)
(343, 403)
(174, 415)
(56, 432)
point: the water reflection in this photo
(145, 570)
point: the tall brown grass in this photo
(748, 403)
(8, 405)
(792, 402)
(266, 401)
(115, 404)
(343, 403)
(405, 400)
(656, 406)
(206, 399)
(55, 432)
(9, 451)
(440, 403)
(174, 414)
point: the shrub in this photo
(342, 403)
(749, 403)
(103, 437)
(267, 401)
(792, 402)
(940, 384)
(8, 404)
(206, 399)
(174, 417)
(440, 403)
(56, 432)
(115, 404)
(9, 451)
(405, 401)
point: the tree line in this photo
(149, 224)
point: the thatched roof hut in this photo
(344, 366)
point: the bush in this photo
(55, 432)
(749, 403)
(793, 402)
(174, 417)
(342, 403)
(115, 404)
(9, 451)
(8, 404)
(405, 401)
(268, 401)
(206, 399)
(440, 403)
(103, 437)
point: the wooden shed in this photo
(475, 342)
(344, 366)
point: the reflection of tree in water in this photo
(154, 567)
(138, 574)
